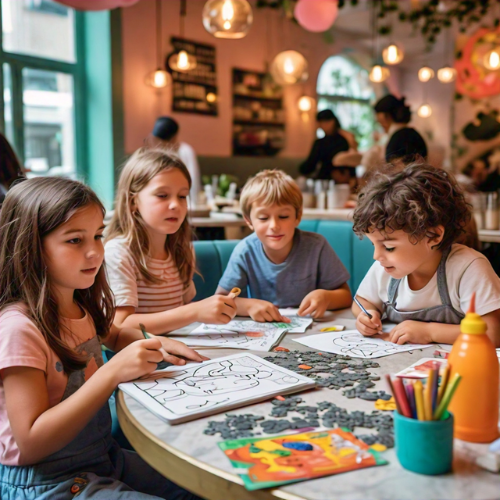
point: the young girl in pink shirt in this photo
(55, 310)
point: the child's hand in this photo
(367, 326)
(176, 348)
(315, 304)
(410, 332)
(218, 309)
(262, 310)
(138, 359)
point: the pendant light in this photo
(182, 60)
(447, 73)
(393, 54)
(424, 111)
(491, 59)
(158, 78)
(425, 74)
(227, 18)
(378, 72)
(289, 67)
(306, 103)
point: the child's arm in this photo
(364, 324)
(216, 309)
(258, 310)
(317, 302)
(40, 430)
(418, 332)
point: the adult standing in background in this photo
(165, 134)
(404, 143)
(10, 168)
(326, 148)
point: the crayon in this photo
(401, 395)
(429, 387)
(450, 390)
(419, 399)
(391, 387)
(410, 392)
(444, 382)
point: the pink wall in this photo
(212, 135)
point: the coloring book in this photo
(275, 461)
(213, 386)
(354, 344)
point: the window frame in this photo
(18, 62)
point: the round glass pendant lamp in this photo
(158, 79)
(182, 61)
(306, 103)
(227, 18)
(379, 74)
(289, 67)
(393, 54)
(424, 111)
(425, 74)
(446, 74)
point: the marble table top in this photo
(389, 482)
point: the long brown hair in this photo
(140, 168)
(10, 168)
(32, 209)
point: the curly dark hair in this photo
(415, 200)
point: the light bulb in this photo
(393, 54)
(491, 60)
(379, 74)
(182, 61)
(425, 74)
(424, 111)
(227, 18)
(447, 74)
(158, 79)
(288, 66)
(211, 97)
(305, 103)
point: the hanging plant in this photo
(429, 18)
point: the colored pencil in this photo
(360, 305)
(429, 387)
(401, 395)
(391, 387)
(419, 399)
(444, 382)
(410, 392)
(435, 387)
(450, 390)
(162, 364)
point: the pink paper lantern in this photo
(97, 4)
(316, 15)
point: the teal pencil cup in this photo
(425, 447)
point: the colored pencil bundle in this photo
(413, 400)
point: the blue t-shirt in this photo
(311, 265)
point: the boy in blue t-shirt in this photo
(278, 265)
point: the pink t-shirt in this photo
(22, 344)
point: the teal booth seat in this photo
(356, 255)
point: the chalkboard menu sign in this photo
(195, 91)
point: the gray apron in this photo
(444, 313)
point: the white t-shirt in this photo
(188, 156)
(131, 289)
(467, 271)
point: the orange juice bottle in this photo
(475, 403)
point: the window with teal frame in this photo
(344, 87)
(42, 88)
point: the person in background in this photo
(326, 148)
(165, 134)
(405, 143)
(10, 168)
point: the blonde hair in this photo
(271, 187)
(140, 168)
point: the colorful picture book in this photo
(275, 461)
(213, 386)
(420, 369)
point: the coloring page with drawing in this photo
(354, 344)
(214, 386)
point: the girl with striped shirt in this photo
(148, 251)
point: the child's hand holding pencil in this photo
(368, 321)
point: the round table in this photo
(193, 460)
